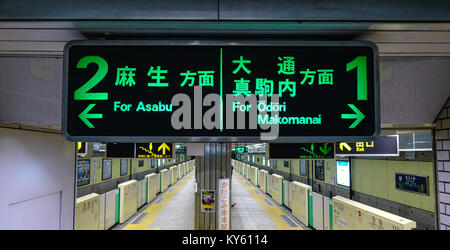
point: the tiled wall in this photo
(442, 138)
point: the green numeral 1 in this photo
(82, 92)
(360, 62)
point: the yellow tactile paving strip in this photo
(155, 209)
(273, 212)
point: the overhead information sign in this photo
(241, 150)
(316, 151)
(154, 150)
(381, 146)
(139, 150)
(203, 91)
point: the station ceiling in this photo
(229, 10)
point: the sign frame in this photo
(365, 155)
(228, 43)
(173, 153)
(427, 179)
(268, 149)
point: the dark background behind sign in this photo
(295, 150)
(83, 149)
(122, 150)
(330, 101)
(383, 145)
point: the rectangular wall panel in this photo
(352, 215)
(139, 193)
(128, 200)
(286, 191)
(277, 188)
(300, 201)
(158, 183)
(317, 211)
(165, 179)
(263, 180)
(87, 212)
(253, 175)
(327, 213)
(152, 186)
(101, 212)
(110, 208)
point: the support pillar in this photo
(215, 164)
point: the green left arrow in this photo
(84, 116)
(358, 115)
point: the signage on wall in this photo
(82, 148)
(208, 200)
(83, 172)
(241, 150)
(381, 146)
(300, 151)
(134, 91)
(412, 183)
(224, 204)
(343, 173)
(154, 150)
(181, 149)
(139, 150)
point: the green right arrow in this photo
(358, 116)
(84, 116)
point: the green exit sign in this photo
(181, 149)
(241, 150)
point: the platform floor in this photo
(255, 210)
(174, 209)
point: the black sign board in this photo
(154, 150)
(123, 91)
(82, 148)
(412, 183)
(120, 150)
(300, 150)
(381, 146)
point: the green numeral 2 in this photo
(81, 93)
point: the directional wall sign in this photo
(381, 146)
(197, 91)
(154, 150)
(316, 151)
